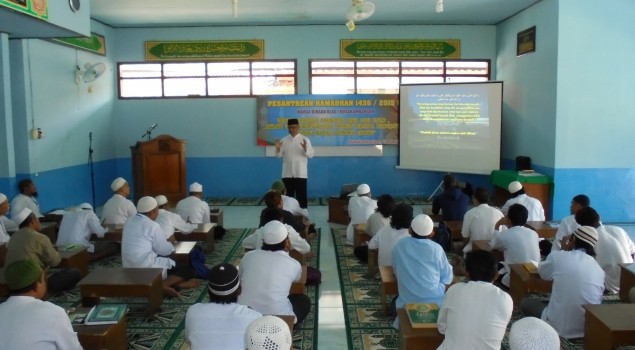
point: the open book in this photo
(423, 315)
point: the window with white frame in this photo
(384, 77)
(207, 79)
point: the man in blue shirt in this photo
(421, 266)
(452, 202)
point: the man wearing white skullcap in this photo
(267, 274)
(194, 209)
(222, 323)
(518, 196)
(170, 221)
(479, 325)
(78, 226)
(360, 206)
(27, 198)
(118, 209)
(144, 245)
(5, 223)
(532, 333)
(29, 243)
(269, 333)
(577, 280)
(421, 266)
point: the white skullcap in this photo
(514, 187)
(22, 215)
(274, 232)
(422, 225)
(532, 333)
(161, 199)
(146, 204)
(363, 189)
(2, 198)
(85, 206)
(117, 184)
(196, 187)
(268, 333)
(587, 234)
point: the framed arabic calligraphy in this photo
(215, 50)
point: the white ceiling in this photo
(164, 13)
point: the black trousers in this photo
(361, 253)
(296, 188)
(62, 280)
(301, 306)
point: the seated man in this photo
(479, 222)
(532, 333)
(144, 245)
(255, 240)
(614, 247)
(519, 244)
(194, 209)
(267, 275)
(27, 322)
(360, 206)
(273, 199)
(6, 224)
(27, 198)
(475, 325)
(421, 266)
(170, 221)
(289, 203)
(518, 196)
(268, 333)
(452, 202)
(569, 224)
(387, 237)
(577, 280)
(28, 243)
(77, 227)
(376, 221)
(220, 324)
(118, 209)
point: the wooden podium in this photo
(158, 167)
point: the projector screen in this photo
(450, 127)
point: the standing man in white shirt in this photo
(479, 222)
(5, 223)
(144, 245)
(27, 322)
(614, 247)
(295, 150)
(194, 209)
(475, 325)
(27, 198)
(77, 227)
(534, 207)
(170, 221)
(360, 206)
(568, 225)
(118, 209)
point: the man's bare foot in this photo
(170, 292)
(192, 283)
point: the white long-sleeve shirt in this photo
(117, 210)
(77, 227)
(21, 201)
(614, 247)
(294, 158)
(359, 209)
(534, 207)
(193, 209)
(254, 241)
(170, 222)
(144, 245)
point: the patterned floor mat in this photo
(244, 201)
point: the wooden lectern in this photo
(158, 167)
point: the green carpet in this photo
(245, 201)
(368, 328)
(166, 330)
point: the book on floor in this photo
(423, 315)
(105, 314)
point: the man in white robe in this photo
(360, 207)
(194, 209)
(118, 209)
(27, 198)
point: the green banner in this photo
(95, 43)
(205, 50)
(35, 8)
(400, 49)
